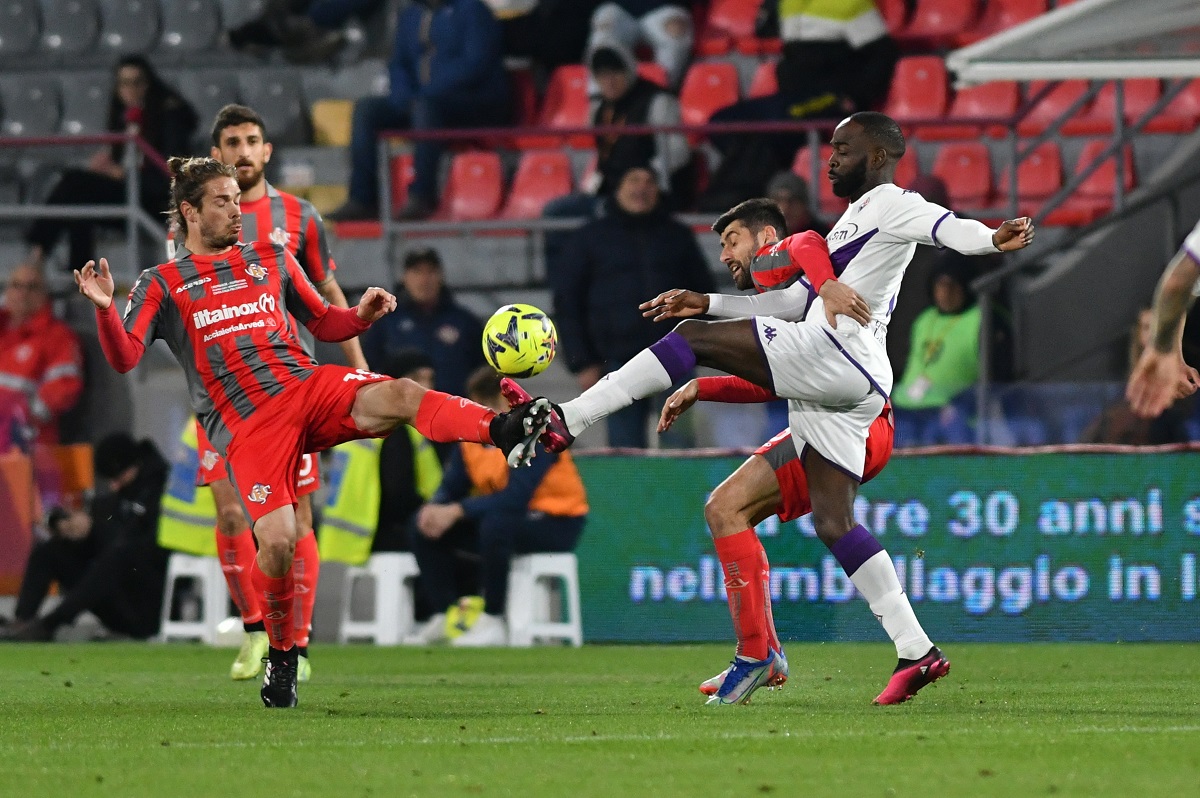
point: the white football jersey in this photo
(1191, 245)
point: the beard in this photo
(251, 181)
(219, 238)
(742, 280)
(849, 184)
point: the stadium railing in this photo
(135, 217)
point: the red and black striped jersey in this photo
(779, 265)
(287, 220)
(228, 319)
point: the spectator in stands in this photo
(427, 318)
(1117, 423)
(666, 25)
(932, 399)
(446, 72)
(551, 32)
(410, 469)
(105, 558)
(286, 25)
(140, 103)
(41, 362)
(609, 266)
(485, 510)
(790, 192)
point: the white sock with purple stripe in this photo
(647, 373)
(870, 569)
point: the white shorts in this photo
(832, 397)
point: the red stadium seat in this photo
(895, 14)
(565, 105)
(473, 189)
(524, 97)
(997, 99)
(1094, 197)
(907, 169)
(941, 21)
(1038, 177)
(764, 82)
(1181, 114)
(728, 21)
(1140, 95)
(918, 89)
(706, 88)
(653, 72)
(542, 175)
(802, 165)
(1052, 106)
(966, 169)
(999, 15)
(402, 177)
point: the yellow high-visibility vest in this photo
(189, 512)
(351, 514)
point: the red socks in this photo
(772, 635)
(277, 594)
(306, 565)
(237, 555)
(744, 562)
(444, 419)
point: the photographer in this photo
(104, 558)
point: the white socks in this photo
(644, 375)
(876, 580)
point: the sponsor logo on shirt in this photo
(206, 318)
(232, 285)
(842, 233)
(193, 284)
(210, 460)
(280, 236)
(259, 493)
(769, 333)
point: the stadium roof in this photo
(1091, 39)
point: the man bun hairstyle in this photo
(883, 131)
(233, 115)
(189, 176)
(756, 214)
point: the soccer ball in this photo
(519, 341)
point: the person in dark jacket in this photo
(446, 71)
(610, 266)
(664, 25)
(428, 319)
(140, 103)
(105, 558)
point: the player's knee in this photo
(830, 527)
(406, 395)
(231, 520)
(278, 547)
(721, 514)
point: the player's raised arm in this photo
(123, 343)
(1160, 375)
(326, 322)
(726, 388)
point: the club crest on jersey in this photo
(209, 461)
(280, 236)
(257, 271)
(259, 493)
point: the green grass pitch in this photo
(1010, 720)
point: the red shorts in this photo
(781, 453)
(311, 416)
(212, 467)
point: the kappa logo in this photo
(256, 270)
(210, 460)
(193, 284)
(280, 236)
(769, 333)
(259, 493)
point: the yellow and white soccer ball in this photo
(519, 341)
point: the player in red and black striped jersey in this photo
(239, 139)
(228, 311)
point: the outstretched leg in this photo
(871, 570)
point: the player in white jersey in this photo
(832, 366)
(1160, 375)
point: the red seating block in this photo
(1052, 106)
(966, 169)
(1094, 197)
(940, 20)
(402, 177)
(1181, 114)
(728, 21)
(565, 105)
(1038, 177)
(1140, 95)
(895, 14)
(918, 89)
(906, 169)
(473, 189)
(802, 165)
(1000, 15)
(542, 175)
(653, 72)
(764, 82)
(706, 88)
(997, 99)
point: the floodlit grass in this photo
(1011, 720)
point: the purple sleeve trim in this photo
(1192, 254)
(933, 233)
